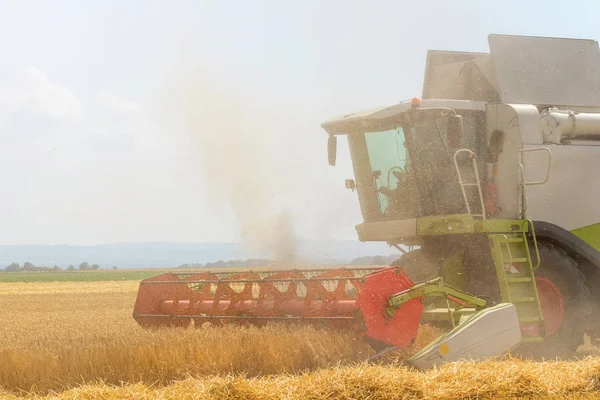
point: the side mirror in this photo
(350, 184)
(454, 131)
(332, 149)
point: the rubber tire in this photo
(592, 280)
(562, 270)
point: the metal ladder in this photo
(464, 184)
(515, 272)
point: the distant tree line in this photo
(29, 267)
(256, 262)
(250, 262)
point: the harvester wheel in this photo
(565, 302)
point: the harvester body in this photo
(493, 175)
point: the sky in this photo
(199, 121)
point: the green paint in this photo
(433, 288)
(590, 233)
(453, 268)
(516, 278)
(503, 226)
(510, 252)
(445, 224)
(465, 223)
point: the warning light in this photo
(415, 102)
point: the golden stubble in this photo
(57, 335)
(77, 340)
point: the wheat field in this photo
(77, 340)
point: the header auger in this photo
(493, 176)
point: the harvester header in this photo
(350, 298)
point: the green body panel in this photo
(516, 278)
(509, 242)
(465, 223)
(453, 268)
(590, 233)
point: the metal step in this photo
(523, 300)
(518, 280)
(516, 260)
(520, 288)
(513, 240)
(532, 339)
(530, 319)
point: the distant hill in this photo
(161, 255)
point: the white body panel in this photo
(490, 333)
(571, 197)
(505, 118)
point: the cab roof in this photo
(362, 120)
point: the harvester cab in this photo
(490, 179)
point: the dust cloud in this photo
(232, 142)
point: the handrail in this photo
(523, 192)
(522, 151)
(537, 251)
(477, 183)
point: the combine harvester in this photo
(494, 175)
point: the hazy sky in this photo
(107, 108)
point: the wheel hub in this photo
(551, 301)
(553, 310)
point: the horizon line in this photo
(166, 242)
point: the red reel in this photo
(399, 330)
